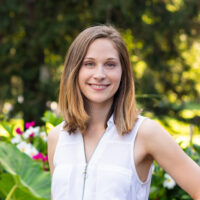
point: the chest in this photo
(102, 168)
(93, 169)
(90, 144)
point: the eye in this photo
(89, 64)
(110, 64)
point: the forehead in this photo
(104, 47)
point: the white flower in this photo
(22, 146)
(31, 150)
(169, 182)
(43, 135)
(27, 148)
(16, 139)
(34, 130)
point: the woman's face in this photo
(100, 74)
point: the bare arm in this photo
(52, 141)
(167, 153)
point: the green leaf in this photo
(51, 118)
(6, 184)
(8, 128)
(27, 174)
(11, 189)
(197, 148)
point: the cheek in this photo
(81, 76)
(80, 79)
(80, 85)
(118, 77)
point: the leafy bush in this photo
(21, 177)
(24, 169)
(163, 187)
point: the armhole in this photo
(58, 141)
(135, 132)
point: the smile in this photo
(99, 86)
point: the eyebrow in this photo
(110, 58)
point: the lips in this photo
(98, 86)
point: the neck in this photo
(98, 113)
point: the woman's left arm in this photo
(167, 153)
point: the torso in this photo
(143, 161)
(101, 162)
(91, 140)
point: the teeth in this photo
(99, 86)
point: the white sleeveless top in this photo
(110, 174)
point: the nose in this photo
(99, 72)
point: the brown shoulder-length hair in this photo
(71, 101)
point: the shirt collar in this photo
(110, 121)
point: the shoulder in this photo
(54, 133)
(150, 128)
(53, 136)
(152, 135)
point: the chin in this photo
(102, 101)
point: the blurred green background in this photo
(162, 37)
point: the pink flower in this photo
(18, 130)
(45, 169)
(31, 135)
(38, 156)
(29, 124)
(45, 158)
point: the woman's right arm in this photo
(52, 141)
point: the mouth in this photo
(98, 86)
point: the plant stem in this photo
(11, 192)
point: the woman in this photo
(104, 149)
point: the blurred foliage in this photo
(24, 174)
(162, 38)
(176, 193)
(20, 176)
(24, 170)
(52, 118)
